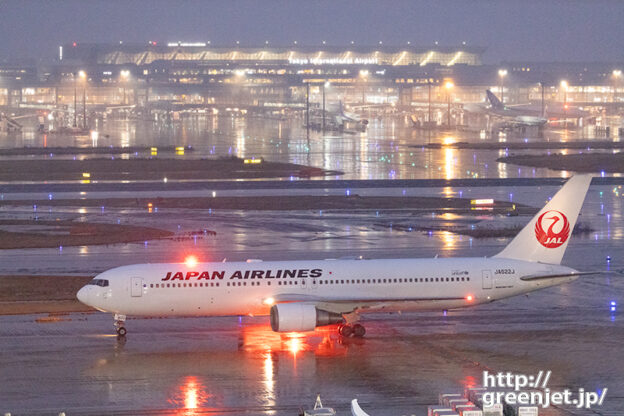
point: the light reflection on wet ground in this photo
(238, 366)
(232, 366)
(390, 149)
(227, 365)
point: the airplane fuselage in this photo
(339, 286)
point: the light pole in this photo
(542, 87)
(308, 110)
(83, 77)
(617, 74)
(564, 87)
(75, 102)
(325, 85)
(502, 73)
(449, 86)
(364, 78)
(124, 74)
(429, 102)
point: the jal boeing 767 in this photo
(303, 295)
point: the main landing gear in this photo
(356, 330)
(119, 325)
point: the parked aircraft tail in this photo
(494, 101)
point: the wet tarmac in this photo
(276, 235)
(390, 149)
(233, 365)
(238, 366)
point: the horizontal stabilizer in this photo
(559, 275)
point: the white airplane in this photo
(512, 115)
(302, 295)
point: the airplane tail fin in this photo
(545, 238)
(494, 101)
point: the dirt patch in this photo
(585, 162)
(72, 150)
(41, 294)
(150, 169)
(69, 233)
(582, 144)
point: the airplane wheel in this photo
(121, 331)
(345, 330)
(358, 331)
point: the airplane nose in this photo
(83, 295)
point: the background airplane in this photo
(513, 116)
(525, 115)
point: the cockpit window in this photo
(99, 282)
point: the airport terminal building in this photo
(267, 76)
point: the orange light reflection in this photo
(191, 397)
(190, 394)
(324, 341)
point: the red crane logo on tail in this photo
(557, 232)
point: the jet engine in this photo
(287, 317)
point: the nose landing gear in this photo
(119, 325)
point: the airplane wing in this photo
(345, 305)
(554, 276)
(296, 297)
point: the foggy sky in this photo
(533, 30)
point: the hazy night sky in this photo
(537, 30)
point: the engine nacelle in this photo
(288, 317)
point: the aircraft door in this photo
(487, 279)
(308, 283)
(137, 287)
